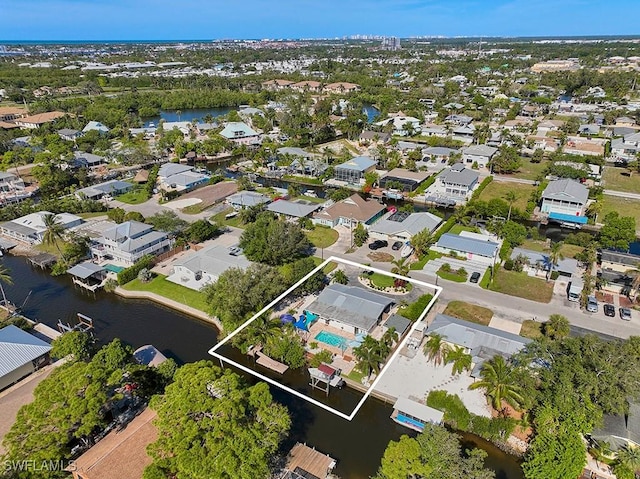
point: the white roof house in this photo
(293, 209)
(245, 199)
(401, 124)
(129, 241)
(97, 126)
(402, 226)
(480, 154)
(205, 266)
(20, 354)
(240, 132)
(31, 228)
(111, 187)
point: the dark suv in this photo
(609, 310)
(377, 244)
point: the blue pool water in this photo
(113, 268)
(331, 339)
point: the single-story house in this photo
(122, 453)
(350, 308)
(246, 199)
(618, 260)
(170, 169)
(437, 154)
(565, 200)
(129, 241)
(482, 342)
(241, 133)
(36, 121)
(110, 188)
(87, 160)
(620, 431)
(308, 166)
(403, 179)
(455, 183)
(350, 212)
(400, 225)
(293, 209)
(402, 125)
(21, 354)
(31, 228)
(479, 154)
(205, 266)
(481, 251)
(69, 134)
(178, 177)
(353, 171)
(369, 135)
(541, 261)
(97, 126)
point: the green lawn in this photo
(457, 229)
(624, 206)
(497, 189)
(522, 286)
(427, 257)
(381, 280)
(567, 250)
(452, 276)
(618, 179)
(530, 171)
(222, 221)
(162, 287)
(322, 236)
(414, 310)
(531, 329)
(469, 312)
(310, 199)
(328, 268)
(355, 375)
(134, 197)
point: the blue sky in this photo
(211, 19)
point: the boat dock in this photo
(304, 461)
(267, 362)
(324, 376)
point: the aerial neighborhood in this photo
(209, 250)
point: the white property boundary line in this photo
(213, 350)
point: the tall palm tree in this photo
(558, 327)
(459, 357)
(435, 348)
(555, 256)
(422, 241)
(53, 232)
(5, 277)
(401, 268)
(389, 337)
(499, 380)
(511, 198)
(263, 329)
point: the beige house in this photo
(349, 212)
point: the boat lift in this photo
(324, 376)
(84, 325)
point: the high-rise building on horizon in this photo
(391, 43)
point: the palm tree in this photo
(401, 268)
(263, 329)
(555, 256)
(629, 457)
(459, 357)
(435, 348)
(369, 356)
(389, 337)
(53, 232)
(498, 378)
(340, 277)
(511, 198)
(5, 277)
(557, 327)
(422, 241)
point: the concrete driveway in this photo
(152, 207)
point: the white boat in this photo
(406, 250)
(310, 193)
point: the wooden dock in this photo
(267, 362)
(304, 459)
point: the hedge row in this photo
(131, 273)
(445, 228)
(496, 429)
(476, 194)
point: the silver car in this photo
(625, 313)
(592, 304)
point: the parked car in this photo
(475, 277)
(592, 304)
(625, 313)
(235, 251)
(609, 310)
(377, 244)
(397, 245)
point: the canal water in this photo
(192, 115)
(358, 445)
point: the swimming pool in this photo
(113, 268)
(331, 339)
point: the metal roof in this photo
(399, 323)
(566, 190)
(467, 245)
(412, 224)
(213, 260)
(476, 337)
(350, 305)
(170, 169)
(84, 270)
(620, 257)
(292, 208)
(106, 188)
(417, 410)
(480, 150)
(17, 348)
(248, 198)
(359, 163)
(566, 265)
(459, 176)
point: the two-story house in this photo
(456, 183)
(127, 242)
(240, 133)
(565, 200)
(478, 154)
(353, 171)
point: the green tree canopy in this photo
(80, 345)
(618, 231)
(211, 424)
(273, 241)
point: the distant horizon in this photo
(164, 20)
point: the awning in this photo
(568, 218)
(84, 270)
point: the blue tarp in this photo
(301, 323)
(568, 218)
(287, 318)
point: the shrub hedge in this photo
(131, 273)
